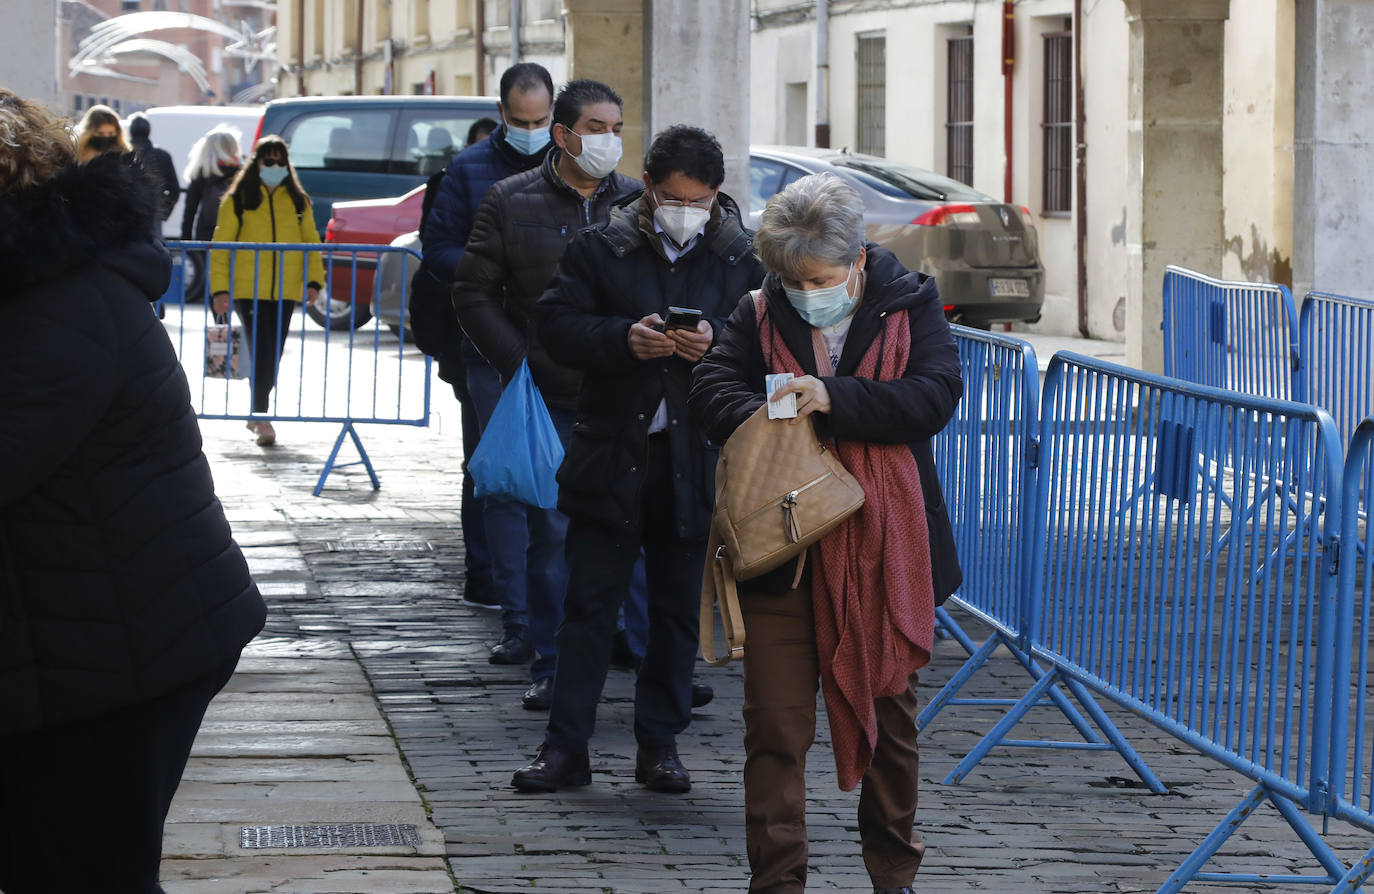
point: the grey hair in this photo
(220, 144)
(819, 218)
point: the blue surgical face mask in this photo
(823, 307)
(527, 142)
(272, 176)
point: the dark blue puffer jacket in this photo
(119, 579)
(469, 176)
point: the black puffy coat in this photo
(728, 387)
(203, 196)
(522, 228)
(611, 277)
(158, 162)
(119, 580)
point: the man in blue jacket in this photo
(518, 144)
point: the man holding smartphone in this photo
(637, 472)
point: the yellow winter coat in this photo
(274, 220)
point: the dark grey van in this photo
(370, 147)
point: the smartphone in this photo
(682, 318)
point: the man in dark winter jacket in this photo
(518, 144)
(637, 472)
(158, 163)
(124, 601)
(520, 232)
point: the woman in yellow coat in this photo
(265, 203)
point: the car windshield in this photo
(902, 182)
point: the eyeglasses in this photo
(703, 204)
(272, 162)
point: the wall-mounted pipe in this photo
(1008, 69)
(300, 47)
(1080, 205)
(823, 74)
(358, 50)
(479, 44)
(517, 13)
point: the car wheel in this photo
(333, 314)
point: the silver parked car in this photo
(984, 254)
(395, 271)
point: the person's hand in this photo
(647, 343)
(812, 396)
(219, 302)
(690, 345)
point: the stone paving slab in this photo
(1026, 820)
(296, 739)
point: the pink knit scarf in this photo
(872, 594)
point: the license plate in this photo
(1009, 288)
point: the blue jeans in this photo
(528, 568)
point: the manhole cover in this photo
(379, 546)
(343, 835)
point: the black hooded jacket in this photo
(728, 387)
(610, 277)
(119, 580)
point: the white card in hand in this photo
(785, 408)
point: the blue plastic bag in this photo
(520, 450)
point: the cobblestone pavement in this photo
(380, 571)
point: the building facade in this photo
(987, 92)
(370, 47)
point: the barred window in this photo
(1057, 160)
(872, 136)
(959, 110)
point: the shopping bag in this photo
(520, 451)
(227, 354)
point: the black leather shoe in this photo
(514, 649)
(702, 695)
(621, 653)
(905, 889)
(658, 768)
(539, 697)
(553, 769)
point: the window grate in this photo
(1057, 160)
(959, 110)
(872, 80)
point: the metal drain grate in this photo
(342, 835)
(379, 546)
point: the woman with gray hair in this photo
(876, 370)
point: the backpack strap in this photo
(718, 586)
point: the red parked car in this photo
(363, 222)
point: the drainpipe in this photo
(358, 51)
(479, 44)
(516, 14)
(1008, 67)
(300, 47)
(823, 74)
(1080, 208)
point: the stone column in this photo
(696, 71)
(605, 42)
(1173, 158)
(1333, 148)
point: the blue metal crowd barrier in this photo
(1352, 736)
(346, 375)
(1337, 344)
(1236, 335)
(986, 459)
(1147, 587)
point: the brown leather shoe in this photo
(658, 768)
(553, 769)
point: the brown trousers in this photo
(781, 678)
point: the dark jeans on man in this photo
(528, 569)
(601, 562)
(82, 805)
(267, 329)
(476, 554)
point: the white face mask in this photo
(680, 222)
(600, 154)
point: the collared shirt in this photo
(660, 421)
